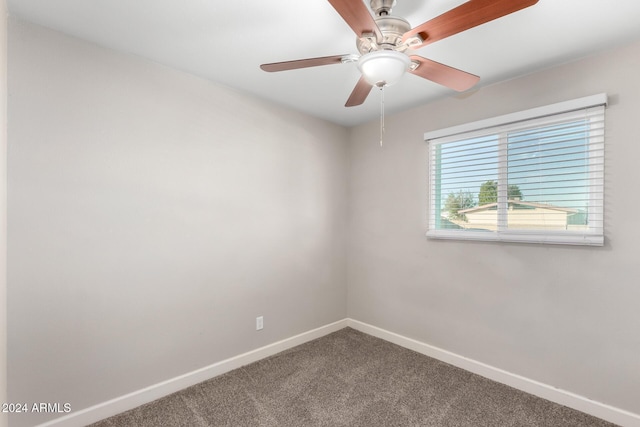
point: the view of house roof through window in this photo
(539, 179)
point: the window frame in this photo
(500, 126)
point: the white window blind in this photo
(532, 176)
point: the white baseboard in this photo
(566, 398)
(132, 400)
(156, 391)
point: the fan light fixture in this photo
(383, 67)
(386, 42)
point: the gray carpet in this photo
(350, 379)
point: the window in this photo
(533, 176)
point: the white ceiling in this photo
(226, 42)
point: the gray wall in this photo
(565, 316)
(153, 215)
(3, 207)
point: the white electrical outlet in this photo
(259, 323)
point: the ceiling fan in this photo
(384, 43)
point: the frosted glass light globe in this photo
(383, 67)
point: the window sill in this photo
(518, 237)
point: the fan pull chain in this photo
(381, 113)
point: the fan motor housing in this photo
(382, 7)
(392, 29)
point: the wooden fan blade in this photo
(302, 63)
(359, 93)
(443, 74)
(464, 17)
(357, 16)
